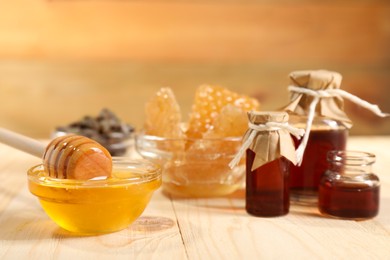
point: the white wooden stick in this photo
(21, 142)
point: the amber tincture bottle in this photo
(267, 164)
(267, 187)
(327, 131)
(349, 189)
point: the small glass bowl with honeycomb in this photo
(194, 168)
(195, 154)
(99, 205)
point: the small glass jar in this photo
(349, 189)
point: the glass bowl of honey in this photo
(194, 167)
(99, 205)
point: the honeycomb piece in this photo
(163, 116)
(230, 122)
(208, 103)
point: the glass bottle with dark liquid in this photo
(325, 135)
(267, 187)
(349, 189)
(269, 151)
(315, 107)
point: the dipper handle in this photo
(21, 142)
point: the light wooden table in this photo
(193, 228)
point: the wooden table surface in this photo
(194, 228)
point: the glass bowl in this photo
(99, 205)
(194, 167)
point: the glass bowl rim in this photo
(160, 138)
(148, 172)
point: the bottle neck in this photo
(351, 162)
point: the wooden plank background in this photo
(60, 60)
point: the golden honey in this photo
(198, 177)
(200, 190)
(98, 205)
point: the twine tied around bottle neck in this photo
(327, 93)
(255, 129)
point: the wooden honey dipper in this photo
(65, 157)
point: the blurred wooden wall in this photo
(63, 59)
